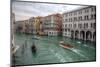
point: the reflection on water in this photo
(49, 51)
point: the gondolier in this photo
(33, 48)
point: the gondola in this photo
(33, 48)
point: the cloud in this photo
(33, 9)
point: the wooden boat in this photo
(14, 49)
(33, 48)
(41, 34)
(35, 37)
(65, 45)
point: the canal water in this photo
(49, 51)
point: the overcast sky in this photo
(25, 10)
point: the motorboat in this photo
(65, 45)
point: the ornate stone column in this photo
(92, 36)
(85, 35)
(79, 35)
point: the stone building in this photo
(38, 24)
(20, 26)
(31, 25)
(12, 29)
(80, 23)
(52, 24)
(12, 23)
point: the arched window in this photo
(88, 35)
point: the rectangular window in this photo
(86, 25)
(69, 25)
(94, 25)
(71, 20)
(80, 26)
(86, 11)
(92, 16)
(80, 12)
(87, 17)
(66, 20)
(66, 30)
(84, 17)
(75, 18)
(75, 13)
(91, 25)
(81, 18)
(74, 25)
(92, 9)
(66, 25)
(62, 25)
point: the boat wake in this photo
(60, 57)
(79, 52)
(89, 46)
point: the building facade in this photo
(21, 26)
(38, 24)
(52, 24)
(12, 29)
(12, 23)
(25, 26)
(31, 25)
(80, 24)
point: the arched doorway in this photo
(94, 36)
(76, 34)
(88, 35)
(72, 34)
(82, 35)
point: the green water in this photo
(49, 51)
